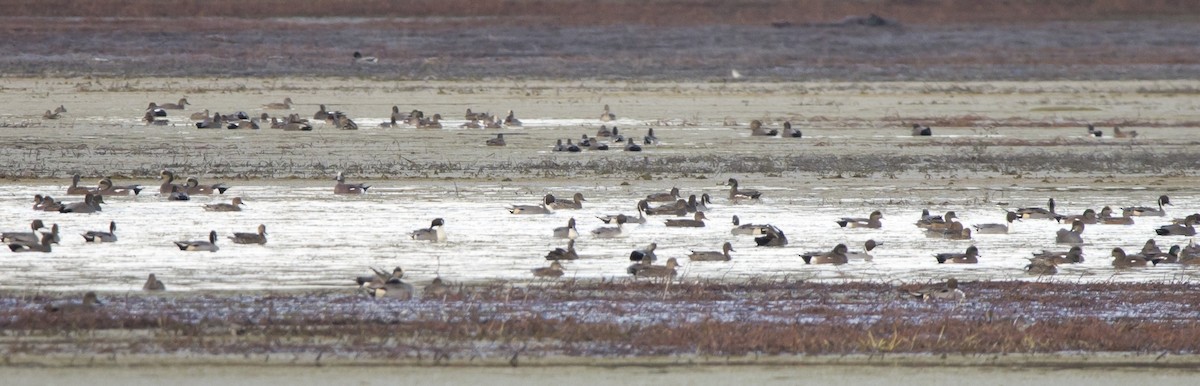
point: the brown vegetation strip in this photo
(619, 318)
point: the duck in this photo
(953, 231)
(1039, 267)
(1117, 133)
(918, 131)
(25, 238)
(200, 245)
(736, 194)
(650, 138)
(865, 255)
(360, 59)
(571, 147)
(1088, 217)
(604, 132)
(757, 130)
(1122, 260)
(575, 203)
(75, 189)
(722, 255)
(678, 208)
(235, 205)
(1034, 213)
(1148, 211)
(607, 115)
(91, 204)
(1072, 256)
(286, 105)
(788, 131)
(46, 203)
(105, 187)
(323, 113)
(383, 286)
(1073, 236)
(168, 178)
(434, 233)
(51, 115)
(102, 236)
(150, 119)
(664, 197)
(1092, 132)
(971, 256)
(640, 219)
(379, 277)
(43, 246)
(259, 237)
(31, 237)
(437, 288)
(498, 141)
(1176, 230)
(997, 228)
(630, 146)
(701, 204)
(343, 188)
(153, 284)
(610, 232)
(836, 257)
(936, 222)
(563, 254)
(177, 194)
(696, 222)
(644, 255)
(1106, 217)
(947, 290)
(193, 187)
(89, 303)
(554, 270)
(511, 120)
(175, 106)
(667, 271)
(772, 237)
(542, 208)
(153, 110)
(617, 137)
(434, 122)
(200, 115)
(747, 229)
(858, 222)
(567, 232)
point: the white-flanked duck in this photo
(644, 255)
(105, 187)
(209, 245)
(102, 236)
(1148, 211)
(640, 219)
(434, 233)
(610, 232)
(563, 254)
(31, 237)
(542, 208)
(193, 187)
(1000, 228)
(575, 203)
(567, 232)
(747, 229)
(1031, 213)
(91, 204)
(43, 246)
(865, 255)
(773, 237)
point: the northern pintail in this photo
(722, 255)
(323, 113)
(640, 219)
(650, 138)
(1031, 213)
(359, 58)
(168, 178)
(89, 303)
(31, 237)
(571, 147)
(1148, 211)
(378, 276)
(947, 290)
(286, 105)
(497, 142)
(511, 120)
(918, 131)
(696, 222)
(698, 205)
(630, 146)
(435, 233)
(75, 189)
(563, 254)
(610, 232)
(554, 270)
(644, 255)
(859, 222)
(43, 246)
(437, 288)
(567, 232)
(1176, 230)
(747, 229)
(575, 203)
(654, 271)
(1073, 256)
(757, 130)
(200, 245)
(152, 284)
(1073, 236)
(542, 208)
(664, 197)
(865, 255)
(175, 106)
(971, 256)
(434, 122)
(106, 188)
(736, 194)
(383, 286)
(607, 115)
(1106, 217)
(836, 257)
(259, 237)
(1093, 132)
(1122, 260)
(788, 131)
(91, 204)
(193, 187)
(617, 137)
(343, 188)
(235, 205)
(772, 237)
(101, 236)
(998, 228)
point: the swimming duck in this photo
(75, 189)
(89, 303)
(617, 137)
(434, 233)
(387, 287)
(1092, 132)
(722, 255)
(971, 256)
(736, 194)
(153, 284)
(836, 257)
(31, 237)
(654, 271)
(1039, 267)
(360, 59)
(251, 238)
(1176, 230)
(757, 130)
(918, 131)
(788, 131)
(575, 203)
(1073, 256)
(644, 255)
(604, 132)
(200, 115)
(234, 206)
(154, 111)
(650, 138)
(177, 194)
(1106, 217)
(1117, 133)
(323, 114)
(286, 105)
(91, 204)
(43, 246)
(664, 197)
(175, 106)
(678, 208)
(1122, 260)
(696, 205)
(947, 290)
(610, 232)
(379, 277)
(105, 187)
(498, 141)
(998, 228)
(101, 236)
(50, 115)
(607, 115)
(936, 222)
(571, 147)
(1030, 213)
(747, 229)
(511, 120)
(640, 219)
(865, 255)
(858, 222)
(1148, 211)
(168, 178)
(554, 270)
(953, 231)
(563, 254)
(567, 232)
(696, 222)
(150, 119)
(630, 146)
(200, 245)
(437, 288)
(542, 208)
(1073, 236)
(1088, 217)
(772, 237)
(343, 188)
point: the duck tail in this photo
(1162, 231)
(941, 259)
(137, 189)
(807, 259)
(842, 223)
(182, 245)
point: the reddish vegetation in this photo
(620, 318)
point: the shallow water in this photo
(321, 240)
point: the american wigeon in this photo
(153, 284)
(954, 230)
(209, 245)
(1073, 236)
(1106, 217)
(664, 197)
(789, 132)
(1040, 267)
(234, 205)
(604, 132)
(554, 270)
(696, 222)
(865, 255)
(575, 203)
(101, 236)
(1122, 260)
(772, 237)
(378, 276)
(75, 189)
(1088, 217)
(567, 232)
(837, 256)
(1032, 213)
(91, 204)
(43, 246)
(650, 138)
(89, 303)
(105, 187)
(434, 122)
(997, 228)
(667, 271)
(436, 232)
(542, 208)
(747, 229)
(722, 255)
(1191, 219)
(151, 119)
(383, 286)
(177, 194)
(644, 255)
(859, 222)
(259, 237)
(168, 178)
(1148, 211)
(286, 105)
(757, 129)
(1073, 256)
(928, 221)
(46, 204)
(359, 58)
(343, 188)
(971, 256)
(193, 187)
(511, 120)
(175, 106)
(736, 194)
(918, 131)
(154, 111)
(947, 290)
(563, 254)
(31, 237)
(607, 115)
